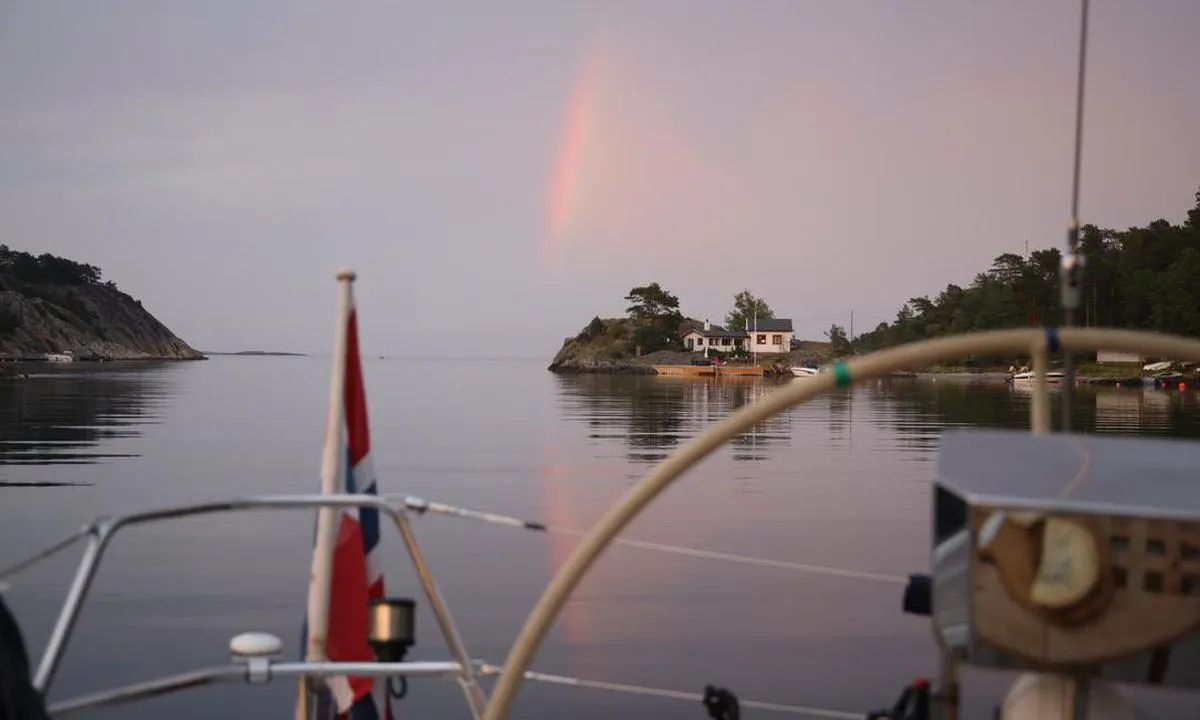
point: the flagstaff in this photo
(332, 482)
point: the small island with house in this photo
(1142, 277)
(655, 338)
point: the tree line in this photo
(1143, 277)
(46, 269)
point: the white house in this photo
(714, 337)
(764, 336)
(770, 336)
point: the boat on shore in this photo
(62, 357)
(1028, 376)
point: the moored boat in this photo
(1028, 376)
(803, 371)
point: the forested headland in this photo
(1143, 277)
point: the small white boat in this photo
(804, 371)
(60, 357)
(1052, 376)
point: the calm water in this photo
(841, 481)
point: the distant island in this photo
(54, 306)
(268, 353)
(1143, 277)
(656, 333)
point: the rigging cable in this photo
(421, 506)
(801, 710)
(744, 559)
(1071, 275)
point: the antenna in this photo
(1071, 273)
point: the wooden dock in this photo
(706, 371)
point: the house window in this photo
(725, 341)
(761, 339)
(776, 339)
(690, 341)
(699, 341)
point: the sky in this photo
(499, 173)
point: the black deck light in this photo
(393, 628)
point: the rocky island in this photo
(52, 305)
(607, 346)
(656, 336)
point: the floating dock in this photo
(709, 370)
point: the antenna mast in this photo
(1071, 273)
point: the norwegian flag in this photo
(357, 575)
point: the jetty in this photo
(710, 370)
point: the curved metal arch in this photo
(1037, 342)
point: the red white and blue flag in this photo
(357, 572)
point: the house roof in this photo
(772, 325)
(763, 325)
(716, 331)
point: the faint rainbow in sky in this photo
(576, 138)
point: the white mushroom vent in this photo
(255, 645)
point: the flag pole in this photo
(333, 481)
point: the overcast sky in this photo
(499, 172)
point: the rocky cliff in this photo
(46, 309)
(606, 346)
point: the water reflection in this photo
(926, 407)
(59, 415)
(1153, 412)
(831, 482)
(841, 414)
(647, 414)
(654, 415)
(753, 445)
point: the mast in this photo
(1071, 272)
(753, 333)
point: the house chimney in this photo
(707, 325)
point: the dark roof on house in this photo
(716, 331)
(773, 325)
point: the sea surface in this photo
(842, 481)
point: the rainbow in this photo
(576, 137)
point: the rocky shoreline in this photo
(86, 320)
(575, 363)
(575, 359)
